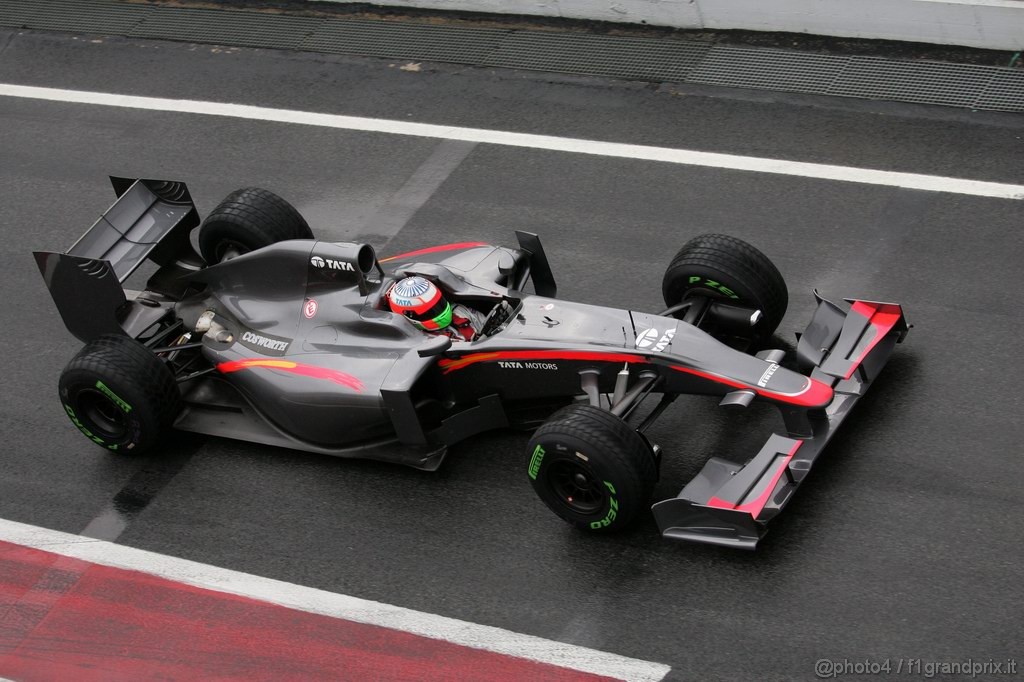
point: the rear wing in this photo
(150, 219)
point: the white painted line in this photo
(312, 600)
(931, 183)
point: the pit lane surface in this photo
(903, 543)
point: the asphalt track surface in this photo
(905, 541)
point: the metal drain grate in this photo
(769, 69)
(957, 85)
(100, 16)
(404, 41)
(644, 59)
(248, 29)
(1005, 92)
(597, 55)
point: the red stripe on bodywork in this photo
(814, 394)
(312, 371)
(754, 507)
(451, 365)
(882, 317)
(67, 619)
(435, 249)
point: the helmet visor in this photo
(438, 316)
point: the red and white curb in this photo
(72, 606)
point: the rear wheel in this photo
(722, 267)
(249, 219)
(120, 395)
(589, 467)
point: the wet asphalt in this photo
(905, 542)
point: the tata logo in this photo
(331, 264)
(527, 365)
(649, 339)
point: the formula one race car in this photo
(274, 337)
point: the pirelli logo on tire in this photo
(535, 462)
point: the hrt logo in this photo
(646, 339)
(310, 308)
(331, 264)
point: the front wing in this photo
(729, 504)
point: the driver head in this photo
(420, 302)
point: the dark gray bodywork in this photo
(298, 348)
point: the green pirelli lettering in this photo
(721, 287)
(535, 460)
(718, 286)
(113, 396)
(613, 510)
(82, 428)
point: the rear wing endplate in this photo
(150, 219)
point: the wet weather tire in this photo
(119, 394)
(249, 219)
(725, 267)
(591, 468)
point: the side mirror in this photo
(435, 346)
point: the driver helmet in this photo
(421, 302)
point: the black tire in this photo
(591, 468)
(119, 394)
(729, 268)
(249, 219)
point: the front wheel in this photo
(120, 395)
(731, 270)
(249, 219)
(591, 468)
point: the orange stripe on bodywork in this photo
(466, 360)
(312, 371)
(236, 365)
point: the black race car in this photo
(268, 335)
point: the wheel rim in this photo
(576, 487)
(105, 417)
(228, 248)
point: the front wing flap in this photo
(729, 504)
